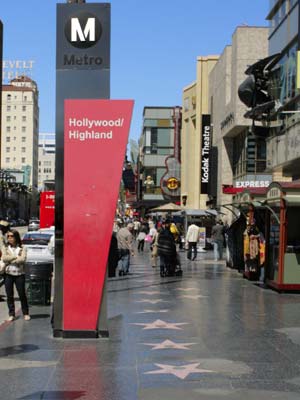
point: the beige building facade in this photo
(20, 123)
(239, 157)
(195, 104)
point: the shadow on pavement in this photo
(39, 316)
(19, 349)
(55, 395)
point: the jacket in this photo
(15, 264)
(166, 244)
(192, 233)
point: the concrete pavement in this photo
(207, 335)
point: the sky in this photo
(154, 46)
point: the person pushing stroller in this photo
(166, 248)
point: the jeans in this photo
(192, 245)
(141, 245)
(19, 281)
(218, 250)
(124, 260)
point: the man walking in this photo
(217, 236)
(125, 242)
(192, 238)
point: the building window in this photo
(23, 160)
(186, 104)
(23, 139)
(8, 118)
(23, 108)
(8, 129)
(8, 97)
(23, 149)
(8, 138)
(7, 149)
(23, 128)
(8, 108)
(23, 118)
(7, 160)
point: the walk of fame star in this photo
(168, 344)
(180, 371)
(193, 297)
(152, 301)
(151, 311)
(159, 324)
(148, 292)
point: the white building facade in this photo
(20, 125)
(46, 160)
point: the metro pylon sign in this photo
(95, 139)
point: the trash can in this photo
(38, 276)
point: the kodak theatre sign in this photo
(205, 153)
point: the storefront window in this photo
(283, 78)
(249, 155)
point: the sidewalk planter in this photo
(38, 276)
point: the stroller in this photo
(171, 266)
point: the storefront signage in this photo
(205, 153)
(252, 184)
(47, 208)
(95, 139)
(12, 69)
(172, 183)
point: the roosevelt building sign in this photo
(85, 37)
(205, 153)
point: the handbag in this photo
(148, 238)
(2, 267)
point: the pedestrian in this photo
(141, 240)
(136, 228)
(217, 236)
(167, 250)
(192, 237)
(125, 243)
(4, 227)
(154, 244)
(174, 231)
(113, 256)
(14, 257)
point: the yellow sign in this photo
(172, 183)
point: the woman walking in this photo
(14, 257)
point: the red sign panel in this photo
(47, 209)
(96, 133)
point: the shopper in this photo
(14, 257)
(4, 227)
(192, 237)
(166, 250)
(217, 236)
(125, 239)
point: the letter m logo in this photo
(78, 32)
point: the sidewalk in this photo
(207, 335)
